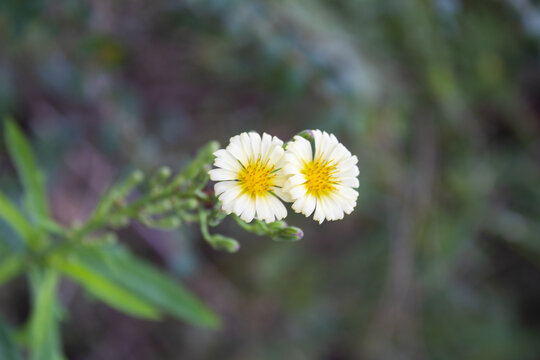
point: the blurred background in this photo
(439, 99)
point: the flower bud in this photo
(277, 225)
(291, 233)
(160, 177)
(221, 242)
(171, 222)
(158, 207)
(306, 134)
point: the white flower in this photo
(323, 180)
(249, 177)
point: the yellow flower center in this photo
(256, 178)
(320, 179)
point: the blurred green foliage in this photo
(438, 98)
(98, 264)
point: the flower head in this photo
(249, 177)
(322, 180)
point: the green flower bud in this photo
(169, 222)
(158, 207)
(307, 134)
(136, 178)
(221, 242)
(277, 225)
(166, 223)
(291, 233)
(191, 204)
(159, 178)
(118, 192)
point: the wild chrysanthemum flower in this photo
(321, 180)
(249, 178)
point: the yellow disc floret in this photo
(256, 178)
(320, 180)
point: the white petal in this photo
(277, 142)
(277, 207)
(309, 205)
(317, 137)
(302, 149)
(327, 208)
(349, 181)
(291, 158)
(255, 140)
(226, 164)
(297, 191)
(265, 144)
(241, 203)
(222, 186)
(290, 169)
(231, 194)
(275, 154)
(298, 205)
(337, 208)
(236, 150)
(348, 172)
(347, 192)
(283, 195)
(348, 162)
(246, 144)
(222, 174)
(328, 144)
(296, 180)
(228, 207)
(319, 213)
(339, 153)
(224, 159)
(263, 209)
(249, 212)
(346, 204)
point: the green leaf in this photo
(105, 289)
(149, 284)
(31, 176)
(50, 226)
(9, 268)
(10, 214)
(44, 333)
(8, 349)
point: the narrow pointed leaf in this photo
(103, 288)
(44, 332)
(31, 176)
(12, 216)
(151, 285)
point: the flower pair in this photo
(255, 173)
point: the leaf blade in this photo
(104, 289)
(44, 332)
(13, 217)
(167, 293)
(150, 284)
(30, 175)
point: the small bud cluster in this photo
(166, 201)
